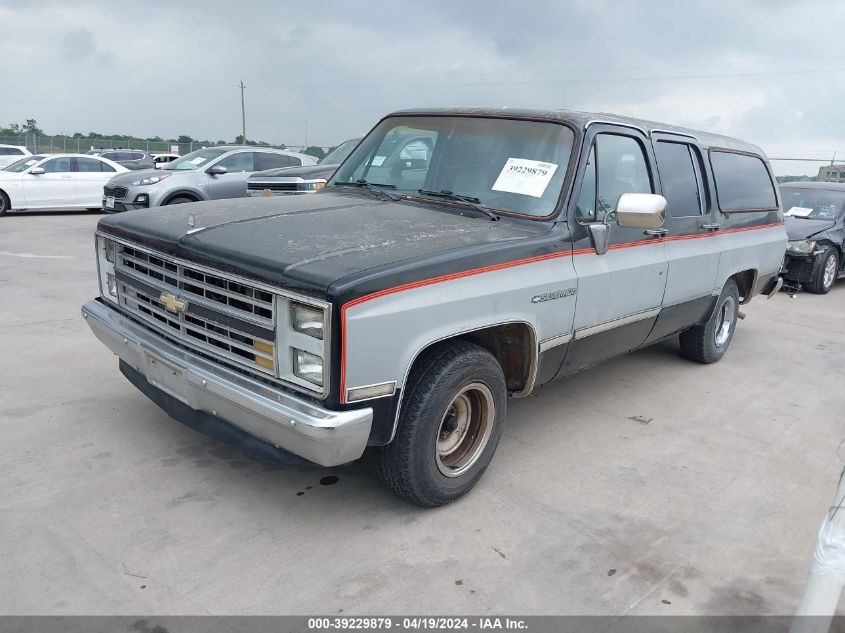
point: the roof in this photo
(584, 119)
(830, 186)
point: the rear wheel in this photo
(825, 272)
(707, 343)
(5, 204)
(449, 427)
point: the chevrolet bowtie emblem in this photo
(173, 303)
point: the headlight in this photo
(150, 180)
(307, 320)
(308, 367)
(312, 186)
(801, 247)
(302, 343)
(105, 267)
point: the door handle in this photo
(711, 227)
(67, 177)
(656, 232)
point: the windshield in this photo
(195, 159)
(813, 204)
(506, 165)
(24, 163)
(339, 153)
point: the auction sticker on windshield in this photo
(525, 177)
(198, 160)
(801, 212)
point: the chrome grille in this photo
(232, 301)
(272, 186)
(212, 290)
(115, 192)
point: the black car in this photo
(814, 213)
(306, 179)
(129, 158)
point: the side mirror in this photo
(641, 210)
(217, 170)
(36, 171)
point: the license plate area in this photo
(166, 377)
(110, 202)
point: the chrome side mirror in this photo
(600, 233)
(36, 171)
(641, 210)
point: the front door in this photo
(619, 292)
(232, 184)
(54, 188)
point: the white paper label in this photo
(378, 161)
(31, 162)
(524, 176)
(801, 212)
(198, 160)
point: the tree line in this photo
(30, 128)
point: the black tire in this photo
(179, 200)
(707, 343)
(447, 380)
(5, 203)
(825, 272)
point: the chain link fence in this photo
(78, 145)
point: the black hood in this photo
(801, 228)
(309, 242)
(309, 172)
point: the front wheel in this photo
(825, 272)
(180, 200)
(449, 427)
(5, 204)
(707, 343)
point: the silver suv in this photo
(211, 173)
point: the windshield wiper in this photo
(374, 187)
(470, 201)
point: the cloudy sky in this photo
(768, 71)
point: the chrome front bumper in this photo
(326, 437)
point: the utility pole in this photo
(243, 111)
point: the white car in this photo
(12, 153)
(68, 181)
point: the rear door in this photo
(91, 174)
(232, 184)
(619, 292)
(54, 188)
(693, 256)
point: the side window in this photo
(5, 151)
(676, 164)
(266, 160)
(742, 182)
(14, 151)
(619, 164)
(136, 156)
(89, 165)
(240, 162)
(57, 165)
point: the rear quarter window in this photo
(742, 182)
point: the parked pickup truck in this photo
(402, 305)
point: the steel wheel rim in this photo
(727, 314)
(464, 429)
(829, 271)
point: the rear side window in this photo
(266, 160)
(89, 165)
(742, 182)
(676, 164)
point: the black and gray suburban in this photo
(402, 305)
(814, 214)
